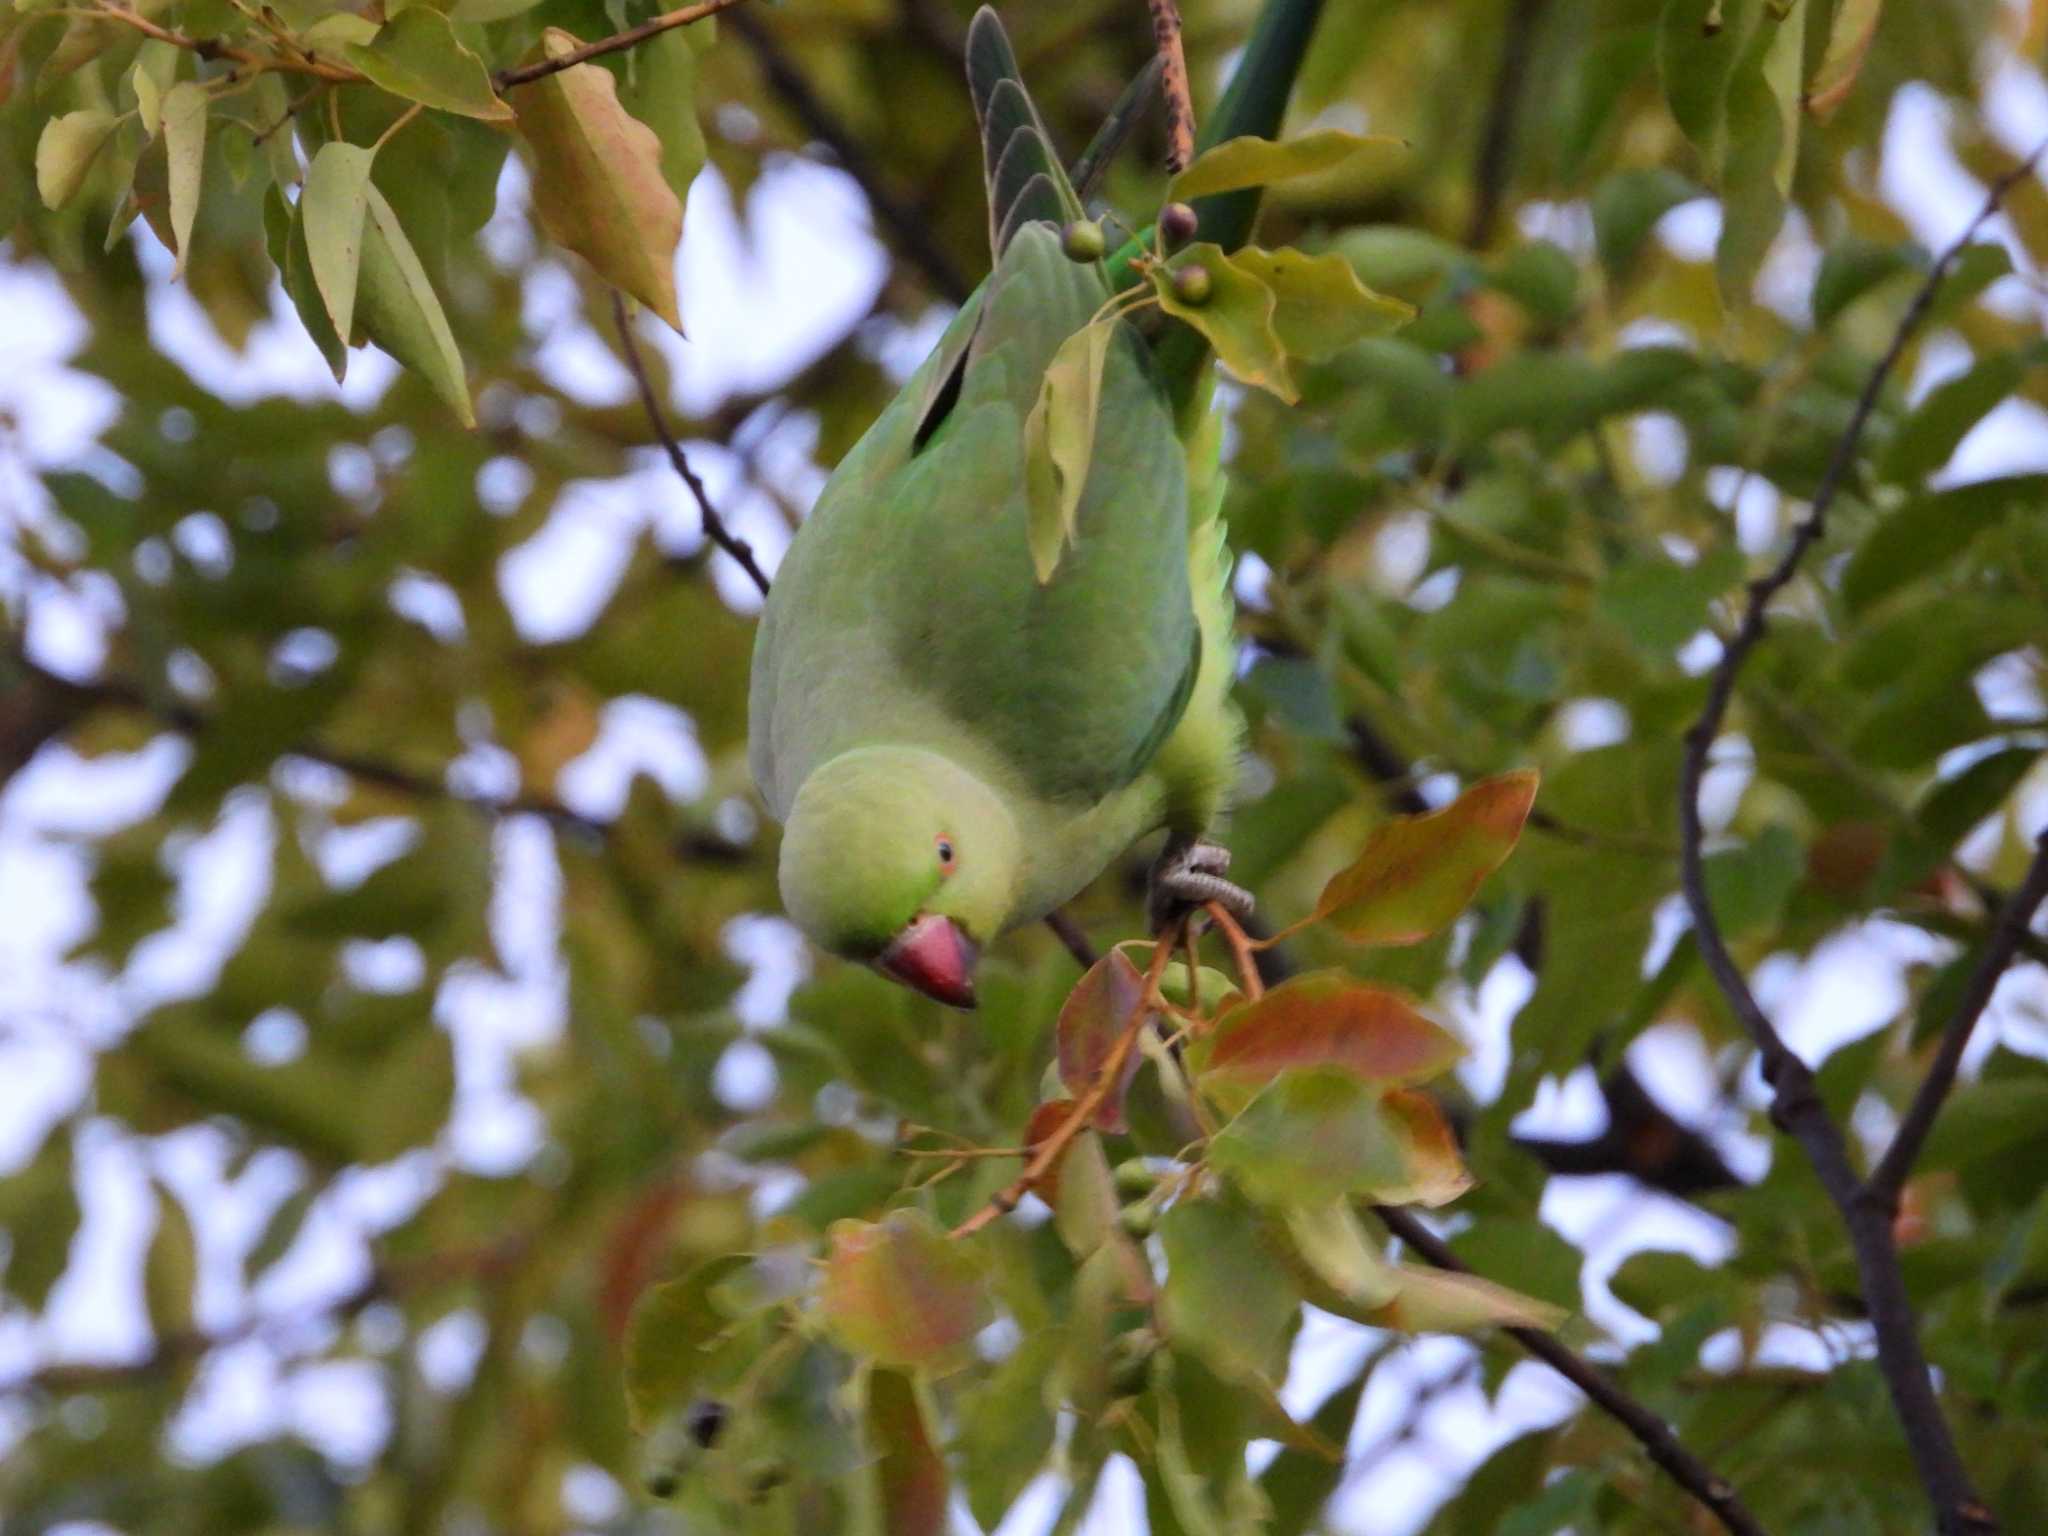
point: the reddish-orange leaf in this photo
(899, 1293)
(1046, 1119)
(1093, 1019)
(1417, 873)
(1329, 1019)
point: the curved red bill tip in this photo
(935, 958)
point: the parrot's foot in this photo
(1187, 876)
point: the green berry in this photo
(1192, 284)
(1082, 241)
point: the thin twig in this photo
(910, 227)
(1241, 950)
(1889, 1177)
(526, 74)
(1069, 933)
(214, 48)
(1650, 1431)
(1796, 1106)
(715, 528)
(1180, 105)
(1107, 1076)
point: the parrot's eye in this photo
(945, 852)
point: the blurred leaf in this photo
(1227, 1298)
(66, 151)
(910, 1476)
(1092, 1020)
(170, 1272)
(1850, 33)
(39, 1212)
(668, 1335)
(1319, 305)
(900, 1293)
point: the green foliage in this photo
(1499, 512)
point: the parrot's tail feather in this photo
(1025, 178)
(1116, 127)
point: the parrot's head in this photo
(902, 859)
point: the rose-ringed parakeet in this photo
(956, 741)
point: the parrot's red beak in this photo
(935, 958)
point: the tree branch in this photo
(715, 528)
(1796, 1106)
(1497, 138)
(912, 231)
(526, 74)
(1651, 1432)
(1889, 1177)
(1180, 106)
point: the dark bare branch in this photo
(1651, 1432)
(526, 74)
(1889, 1177)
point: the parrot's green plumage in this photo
(943, 735)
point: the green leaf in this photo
(39, 1214)
(184, 120)
(406, 1100)
(1317, 1134)
(402, 314)
(285, 231)
(1417, 873)
(1749, 886)
(1930, 532)
(1853, 267)
(1059, 441)
(1236, 318)
(1227, 1298)
(1255, 162)
(1626, 208)
(598, 185)
(1850, 34)
(334, 208)
(416, 56)
(909, 1476)
(66, 151)
(170, 1272)
(1763, 148)
(900, 1293)
(1320, 307)
(669, 1335)
(1928, 438)
(1324, 1019)
(1092, 1020)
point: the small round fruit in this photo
(1082, 240)
(1177, 224)
(1192, 285)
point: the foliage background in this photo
(391, 984)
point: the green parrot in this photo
(953, 745)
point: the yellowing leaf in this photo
(1416, 873)
(1319, 305)
(669, 1337)
(1436, 1172)
(1445, 1301)
(184, 123)
(1325, 1019)
(1849, 37)
(334, 208)
(1092, 1020)
(598, 185)
(402, 314)
(1059, 440)
(1331, 1243)
(1252, 162)
(149, 99)
(66, 151)
(1236, 318)
(416, 56)
(898, 1292)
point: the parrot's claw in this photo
(1186, 877)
